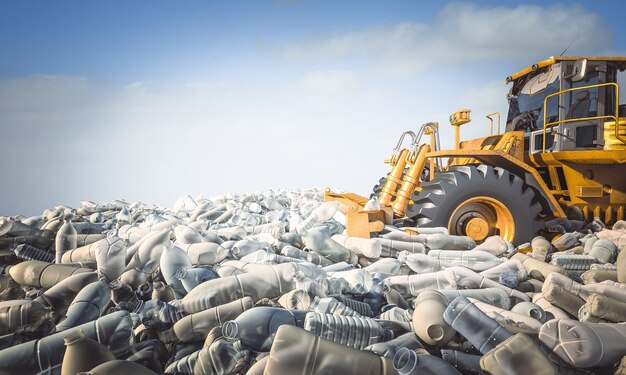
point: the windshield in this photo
(526, 100)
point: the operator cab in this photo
(567, 99)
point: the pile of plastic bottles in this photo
(268, 283)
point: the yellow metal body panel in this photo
(554, 59)
(611, 140)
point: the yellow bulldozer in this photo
(562, 155)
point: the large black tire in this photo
(378, 188)
(439, 199)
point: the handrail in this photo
(491, 122)
(615, 117)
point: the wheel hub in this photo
(477, 228)
(481, 217)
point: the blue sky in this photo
(152, 100)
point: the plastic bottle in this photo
(541, 247)
(593, 276)
(606, 308)
(257, 327)
(412, 285)
(585, 345)
(483, 332)
(192, 277)
(41, 274)
(396, 314)
(506, 357)
(400, 235)
(88, 305)
(294, 252)
(152, 311)
(110, 257)
(83, 354)
(329, 305)
(172, 260)
(318, 239)
(205, 253)
(221, 357)
(268, 282)
(245, 247)
(367, 247)
(360, 308)
(144, 291)
(465, 362)
(296, 299)
(494, 245)
(63, 293)
(28, 252)
(422, 263)
(119, 367)
(607, 288)
(391, 248)
(187, 235)
(146, 260)
(195, 327)
(65, 239)
(7, 243)
(162, 292)
(493, 296)
(537, 269)
(566, 241)
(604, 251)
(473, 259)
(393, 297)
(363, 331)
(530, 309)
(574, 262)
(441, 241)
(114, 331)
(389, 348)
(359, 281)
(509, 319)
(298, 352)
(408, 362)
(15, 315)
(428, 322)
(319, 215)
(12, 228)
(9, 289)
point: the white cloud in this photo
(461, 32)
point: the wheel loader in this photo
(562, 154)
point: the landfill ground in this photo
(268, 283)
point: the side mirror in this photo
(580, 70)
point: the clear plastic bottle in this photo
(28, 252)
(574, 262)
(257, 327)
(191, 277)
(476, 260)
(172, 260)
(566, 241)
(408, 362)
(319, 215)
(329, 305)
(482, 331)
(65, 239)
(110, 258)
(355, 332)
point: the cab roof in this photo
(619, 60)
